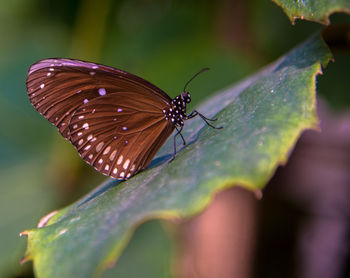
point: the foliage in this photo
(262, 118)
(164, 42)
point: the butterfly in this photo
(117, 121)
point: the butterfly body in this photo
(117, 121)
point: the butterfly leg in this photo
(183, 139)
(195, 113)
(179, 133)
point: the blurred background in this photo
(300, 228)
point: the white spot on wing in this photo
(86, 126)
(115, 171)
(86, 100)
(99, 146)
(81, 117)
(120, 110)
(126, 164)
(87, 147)
(107, 167)
(90, 156)
(102, 91)
(80, 142)
(100, 161)
(122, 175)
(112, 156)
(125, 128)
(106, 151)
(42, 85)
(92, 73)
(120, 160)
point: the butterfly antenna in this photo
(193, 77)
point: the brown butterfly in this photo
(116, 120)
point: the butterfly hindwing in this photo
(114, 138)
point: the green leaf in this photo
(314, 10)
(262, 118)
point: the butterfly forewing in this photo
(57, 87)
(113, 118)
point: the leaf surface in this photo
(262, 116)
(314, 10)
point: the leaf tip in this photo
(25, 259)
(24, 233)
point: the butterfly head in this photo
(186, 97)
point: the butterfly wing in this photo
(57, 87)
(118, 138)
(113, 118)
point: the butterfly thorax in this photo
(176, 111)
